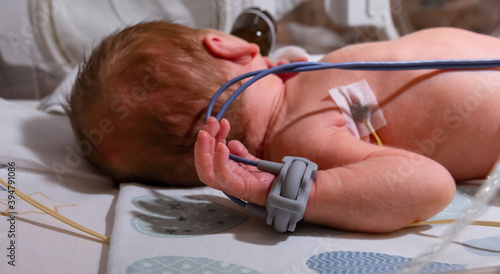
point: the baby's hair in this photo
(140, 100)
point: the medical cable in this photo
(373, 132)
(366, 66)
(451, 221)
(466, 64)
(483, 197)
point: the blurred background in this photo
(41, 41)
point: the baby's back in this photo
(449, 116)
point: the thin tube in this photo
(223, 88)
(243, 160)
(54, 214)
(240, 202)
(451, 221)
(484, 196)
(367, 66)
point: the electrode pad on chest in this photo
(360, 108)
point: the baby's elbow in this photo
(428, 200)
(448, 188)
(440, 193)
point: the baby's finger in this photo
(283, 62)
(225, 172)
(224, 129)
(203, 158)
(212, 126)
(269, 63)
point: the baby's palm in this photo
(216, 170)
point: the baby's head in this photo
(140, 100)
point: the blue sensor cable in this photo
(367, 66)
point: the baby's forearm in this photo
(384, 191)
(380, 194)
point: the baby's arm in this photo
(385, 190)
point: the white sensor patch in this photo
(359, 107)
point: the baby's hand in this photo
(286, 55)
(289, 53)
(284, 76)
(215, 169)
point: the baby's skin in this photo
(441, 127)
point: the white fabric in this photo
(58, 99)
(164, 230)
(37, 142)
(41, 141)
(290, 53)
(350, 97)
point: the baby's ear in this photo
(230, 48)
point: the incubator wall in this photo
(321, 26)
(42, 40)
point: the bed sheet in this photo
(41, 149)
(200, 231)
(165, 230)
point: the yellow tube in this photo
(373, 132)
(449, 221)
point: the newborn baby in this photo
(439, 125)
(140, 100)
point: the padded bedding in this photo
(168, 230)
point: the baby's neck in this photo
(263, 102)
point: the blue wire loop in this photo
(467, 64)
(367, 66)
